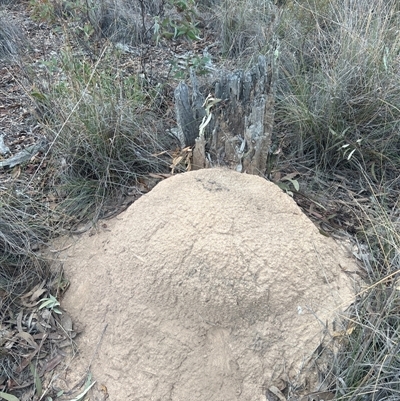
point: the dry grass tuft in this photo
(338, 93)
(12, 41)
(244, 27)
(103, 130)
(367, 366)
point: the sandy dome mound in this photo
(212, 287)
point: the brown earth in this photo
(213, 287)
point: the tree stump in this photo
(239, 131)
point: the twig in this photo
(60, 250)
(97, 347)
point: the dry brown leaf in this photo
(275, 390)
(276, 176)
(5, 336)
(56, 336)
(9, 344)
(66, 322)
(160, 154)
(19, 322)
(34, 289)
(52, 363)
(343, 333)
(28, 304)
(318, 396)
(65, 343)
(158, 176)
(37, 294)
(16, 172)
(290, 176)
(28, 338)
(315, 214)
(39, 336)
(40, 328)
(177, 160)
(33, 295)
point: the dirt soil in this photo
(213, 287)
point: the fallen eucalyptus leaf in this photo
(81, 395)
(8, 397)
(37, 381)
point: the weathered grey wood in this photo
(4, 149)
(197, 98)
(25, 155)
(239, 133)
(188, 113)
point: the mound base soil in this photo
(212, 287)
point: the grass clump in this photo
(26, 226)
(337, 118)
(244, 27)
(367, 366)
(104, 131)
(121, 21)
(11, 40)
(338, 93)
(21, 236)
